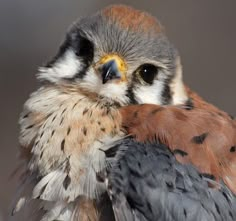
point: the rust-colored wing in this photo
(199, 134)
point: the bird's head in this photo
(120, 54)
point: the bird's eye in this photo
(147, 73)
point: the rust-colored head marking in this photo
(133, 19)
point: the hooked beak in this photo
(111, 67)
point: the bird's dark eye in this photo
(147, 73)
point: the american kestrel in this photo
(113, 59)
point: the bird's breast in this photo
(65, 134)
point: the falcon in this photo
(116, 76)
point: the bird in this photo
(109, 66)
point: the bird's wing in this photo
(145, 182)
(205, 138)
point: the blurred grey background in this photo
(31, 30)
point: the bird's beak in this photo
(111, 67)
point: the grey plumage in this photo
(145, 182)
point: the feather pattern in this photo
(147, 183)
(62, 132)
(199, 134)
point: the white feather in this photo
(112, 90)
(149, 93)
(66, 67)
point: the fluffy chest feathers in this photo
(64, 133)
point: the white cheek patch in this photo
(149, 93)
(177, 86)
(66, 67)
(91, 81)
(111, 90)
(115, 91)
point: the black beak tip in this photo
(110, 71)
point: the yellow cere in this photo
(122, 67)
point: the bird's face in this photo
(119, 54)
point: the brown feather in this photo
(133, 19)
(203, 135)
(87, 210)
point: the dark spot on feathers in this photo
(54, 118)
(226, 197)
(157, 110)
(68, 131)
(135, 114)
(25, 116)
(84, 129)
(44, 125)
(169, 184)
(103, 129)
(68, 167)
(217, 208)
(199, 139)
(66, 182)
(99, 123)
(52, 133)
(233, 149)
(180, 152)
(41, 155)
(149, 206)
(111, 152)
(30, 126)
(139, 165)
(63, 145)
(85, 111)
(41, 192)
(133, 187)
(100, 176)
(74, 106)
(185, 213)
(209, 176)
(180, 116)
(189, 104)
(41, 134)
(220, 114)
(62, 119)
(36, 143)
(63, 111)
